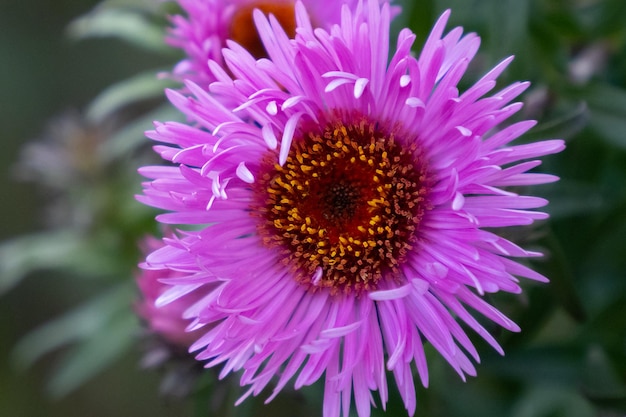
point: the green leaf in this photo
(132, 136)
(558, 365)
(608, 327)
(100, 349)
(141, 87)
(607, 107)
(563, 125)
(508, 21)
(612, 18)
(604, 96)
(147, 5)
(125, 24)
(610, 126)
(601, 378)
(421, 16)
(86, 255)
(562, 279)
(25, 254)
(575, 198)
(82, 323)
(551, 401)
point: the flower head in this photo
(349, 217)
(166, 320)
(207, 24)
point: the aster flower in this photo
(202, 32)
(165, 321)
(165, 340)
(349, 217)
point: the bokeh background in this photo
(77, 88)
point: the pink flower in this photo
(349, 217)
(165, 320)
(203, 32)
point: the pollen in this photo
(355, 217)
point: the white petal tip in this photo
(359, 87)
(414, 102)
(272, 108)
(244, 174)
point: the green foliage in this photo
(141, 87)
(27, 254)
(126, 24)
(102, 330)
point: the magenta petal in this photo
(255, 289)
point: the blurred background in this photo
(78, 88)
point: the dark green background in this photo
(44, 74)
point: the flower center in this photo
(344, 209)
(243, 31)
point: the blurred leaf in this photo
(607, 106)
(609, 126)
(562, 280)
(558, 329)
(149, 5)
(601, 379)
(420, 16)
(143, 86)
(603, 267)
(103, 346)
(558, 365)
(575, 198)
(552, 401)
(610, 402)
(126, 24)
(90, 256)
(612, 17)
(562, 19)
(476, 397)
(508, 21)
(531, 316)
(132, 135)
(563, 126)
(608, 328)
(25, 254)
(603, 96)
(82, 323)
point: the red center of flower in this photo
(345, 207)
(244, 32)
